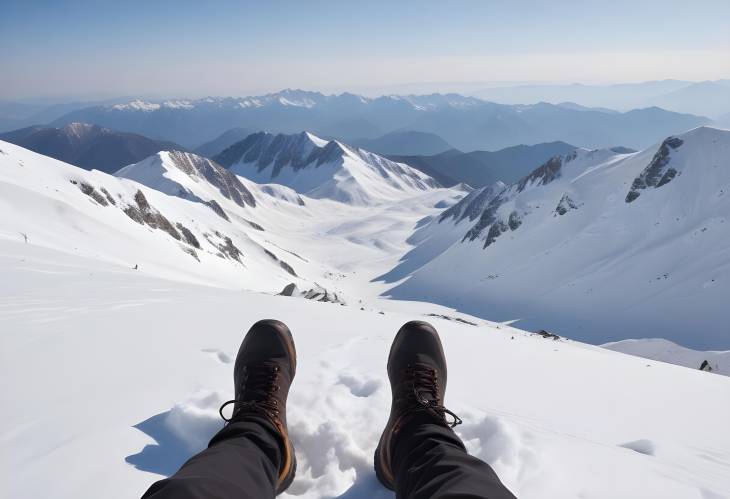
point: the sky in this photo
(164, 48)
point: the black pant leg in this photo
(241, 462)
(431, 462)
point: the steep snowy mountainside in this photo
(435, 234)
(188, 175)
(181, 216)
(208, 231)
(717, 362)
(570, 249)
(323, 169)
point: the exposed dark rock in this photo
(544, 174)
(565, 205)
(282, 263)
(226, 182)
(657, 173)
(495, 231)
(547, 334)
(473, 204)
(213, 204)
(288, 290)
(92, 193)
(230, 250)
(706, 366)
(455, 319)
(287, 267)
(188, 236)
(317, 293)
(190, 251)
(254, 225)
(144, 214)
(109, 197)
(514, 220)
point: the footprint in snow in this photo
(359, 387)
(219, 355)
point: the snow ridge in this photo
(323, 169)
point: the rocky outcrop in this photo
(565, 205)
(226, 182)
(658, 173)
(317, 293)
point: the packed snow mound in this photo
(717, 362)
(323, 169)
(189, 176)
(642, 234)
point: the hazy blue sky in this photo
(220, 47)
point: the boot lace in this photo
(424, 395)
(257, 394)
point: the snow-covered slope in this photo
(182, 217)
(663, 350)
(601, 246)
(113, 378)
(323, 169)
(177, 215)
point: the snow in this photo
(334, 170)
(137, 105)
(118, 376)
(666, 351)
(607, 270)
(115, 373)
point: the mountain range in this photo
(88, 146)
(481, 168)
(466, 123)
(642, 234)
(706, 98)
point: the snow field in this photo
(120, 376)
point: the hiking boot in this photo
(263, 373)
(417, 373)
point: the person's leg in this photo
(430, 461)
(252, 456)
(241, 462)
(419, 455)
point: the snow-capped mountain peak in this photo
(189, 176)
(322, 169)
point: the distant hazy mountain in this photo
(724, 120)
(481, 168)
(707, 98)
(88, 146)
(467, 123)
(15, 115)
(223, 141)
(406, 142)
(617, 96)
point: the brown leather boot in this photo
(264, 370)
(417, 373)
